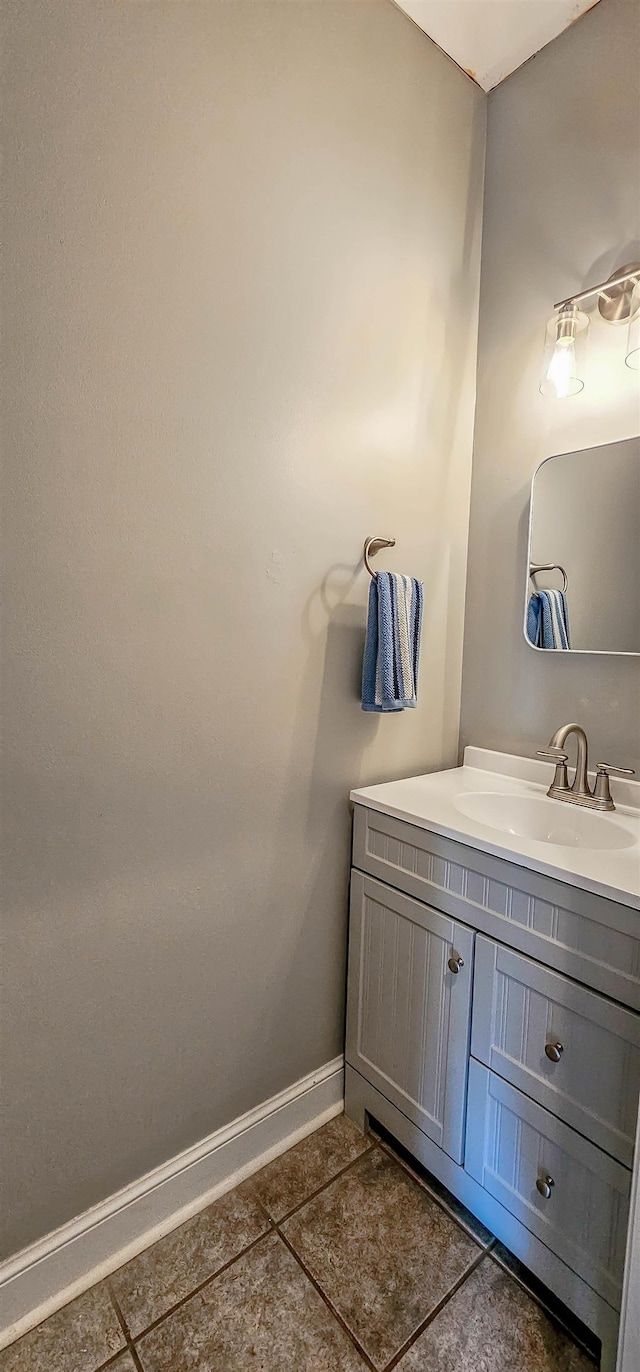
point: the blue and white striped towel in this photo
(392, 646)
(548, 620)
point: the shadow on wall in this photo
(320, 772)
(447, 428)
(314, 817)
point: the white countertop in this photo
(430, 802)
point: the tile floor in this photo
(337, 1257)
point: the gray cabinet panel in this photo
(408, 1014)
(512, 1142)
(519, 1007)
(594, 940)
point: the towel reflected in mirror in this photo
(548, 620)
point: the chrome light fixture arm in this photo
(615, 294)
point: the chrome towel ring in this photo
(371, 546)
(549, 567)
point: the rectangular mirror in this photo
(583, 586)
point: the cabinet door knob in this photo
(544, 1185)
(455, 962)
(554, 1051)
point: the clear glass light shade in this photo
(633, 345)
(563, 364)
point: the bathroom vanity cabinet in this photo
(493, 1028)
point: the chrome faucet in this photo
(579, 792)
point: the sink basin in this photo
(547, 821)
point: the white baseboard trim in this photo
(50, 1273)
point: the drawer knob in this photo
(544, 1185)
(554, 1051)
(455, 962)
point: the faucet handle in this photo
(601, 790)
(560, 779)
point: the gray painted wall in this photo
(243, 251)
(561, 211)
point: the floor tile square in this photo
(551, 1303)
(383, 1251)
(157, 1279)
(492, 1325)
(261, 1315)
(455, 1207)
(290, 1179)
(78, 1338)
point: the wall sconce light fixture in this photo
(564, 353)
(563, 366)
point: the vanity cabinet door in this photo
(408, 1011)
(569, 1048)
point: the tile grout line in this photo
(489, 1251)
(312, 1194)
(433, 1314)
(131, 1339)
(274, 1226)
(337, 1316)
(112, 1361)
(123, 1325)
(148, 1329)
(375, 1144)
(484, 1250)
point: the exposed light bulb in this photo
(562, 368)
(562, 372)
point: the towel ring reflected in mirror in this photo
(373, 545)
(549, 567)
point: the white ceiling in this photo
(490, 38)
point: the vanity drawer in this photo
(591, 939)
(520, 1009)
(513, 1144)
